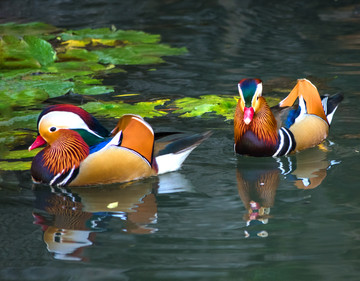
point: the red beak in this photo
(248, 115)
(39, 141)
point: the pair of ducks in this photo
(80, 151)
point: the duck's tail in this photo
(170, 155)
(311, 102)
(330, 104)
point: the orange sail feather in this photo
(311, 96)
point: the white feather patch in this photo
(172, 161)
(64, 182)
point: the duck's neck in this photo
(263, 125)
(65, 153)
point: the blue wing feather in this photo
(99, 146)
(293, 114)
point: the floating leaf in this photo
(9, 138)
(15, 166)
(137, 54)
(93, 90)
(116, 110)
(19, 119)
(126, 95)
(192, 107)
(20, 154)
(107, 33)
(71, 54)
(14, 53)
(43, 30)
(41, 50)
(219, 105)
(32, 70)
(11, 98)
(26, 52)
(127, 47)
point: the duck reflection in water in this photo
(71, 218)
(259, 178)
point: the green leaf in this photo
(43, 30)
(116, 110)
(15, 166)
(9, 138)
(14, 53)
(77, 55)
(11, 98)
(192, 107)
(137, 54)
(219, 105)
(18, 119)
(107, 33)
(29, 52)
(85, 89)
(32, 71)
(20, 154)
(41, 50)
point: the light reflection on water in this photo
(227, 217)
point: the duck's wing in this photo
(309, 98)
(136, 135)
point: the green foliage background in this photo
(40, 61)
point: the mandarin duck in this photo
(80, 151)
(285, 128)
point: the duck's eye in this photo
(52, 129)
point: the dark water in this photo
(198, 223)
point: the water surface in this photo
(222, 216)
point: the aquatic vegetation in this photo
(209, 105)
(39, 62)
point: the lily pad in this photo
(41, 50)
(107, 33)
(19, 119)
(34, 68)
(26, 52)
(219, 105)
(40, 29)
(20, 154)
(15, 165)
(71, 54)
(137, 54)
(27, 96)
(116, 110)
(9, 138)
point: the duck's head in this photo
(250, 89)
(65, 116)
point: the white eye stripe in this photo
(241, 92)
(258, 93)
(259, 89)
(64, 120)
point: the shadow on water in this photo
(258, 181)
